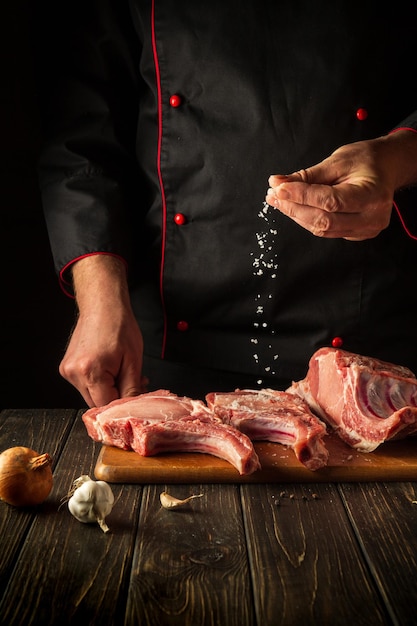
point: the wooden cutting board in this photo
(393, 461)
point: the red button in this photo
(361, 114)
(175, 100)
(182, 325)
(337, 342)
(180, 219)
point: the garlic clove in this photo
(170, 502)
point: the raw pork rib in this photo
(274, 416)
(366, 401)
(111, 424)
(194, 435)
(162, 421)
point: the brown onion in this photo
(25, 476)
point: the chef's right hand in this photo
(104, 356)
(349, 194)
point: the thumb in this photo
(129, 389)
(100, 394)
(275, 180)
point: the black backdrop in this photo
(35, 315)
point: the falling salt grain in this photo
(265, 264)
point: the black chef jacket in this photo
(163, 122)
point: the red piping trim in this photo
(410, 234)
(161, 182)
(65, 284)
(413, 130)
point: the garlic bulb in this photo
(91, 501)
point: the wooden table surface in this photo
(243, 554)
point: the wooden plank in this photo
(384, 517)
(190, 565)
(393, 461)
(68, 571)
(306, 565)
(41, 431)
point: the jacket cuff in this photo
(65, 278)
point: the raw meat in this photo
(365, 400)
(162, 421)
(112, 424)
(194, 435)
(274, 416)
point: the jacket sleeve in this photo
(409, 122)
(88, 94)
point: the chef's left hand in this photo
(350, 194)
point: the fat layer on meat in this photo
(112, 424)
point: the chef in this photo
(229, 188)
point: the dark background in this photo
(36, 317)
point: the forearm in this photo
(402, 157)
(100, 279)
(104, 356)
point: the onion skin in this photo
(25, 476)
